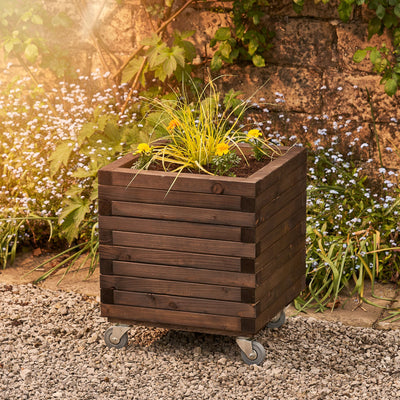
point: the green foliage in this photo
(387, 16)
(162, 61)
(352, 230)
(247, 40)
(222, 165)
(198, 131)
(27, 33)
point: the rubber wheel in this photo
(278, 322)
(258, 348)
(123, 342)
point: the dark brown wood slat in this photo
(287, 295)
(186, 199)
(174, 318)
(291, 270)
(185, 182)
(178, 303)
(176, 288)
(294, 207)
(174, 228)
(279, 225)
(187, 214)
(177, 243)
(297, 191)
(278, 168)
(184, 259)
(280, 258)
(291, 239)
(184, 274)
(296, 173)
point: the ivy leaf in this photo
(179, 54)
(223, 34)
(397, 10)
(253, 46)
(374, 26)
(375, 55)
(258, 61)
(216, 62)
(391, 87)
(225, 49)
(31, 53)
(390, 20)
(380, 11)
(359, 55)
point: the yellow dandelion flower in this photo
(172, 125)
(143, 148)
(253, 133)
(222, 148)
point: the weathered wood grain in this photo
(170, 272)
(179, 303)
(187, 214)
(173, 228)
(184, 259)
(178, 243)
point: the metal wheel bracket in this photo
(246, 345)
(117, 332)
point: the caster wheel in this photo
(277, 321)
(112, 341)
(257, 356)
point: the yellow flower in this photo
(222, 148)
(172, 125)
(253, 133)
(143, 148)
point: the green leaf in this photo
(216, 62)
(31, 53)
(345, 10)
(131, 69)
(390, 20)
(151, 41)
(86, 131)
(258, 61)
(380, 11)
(37, 19)
(375, 55)
(391, 87)
(253, 46)
(72, 216)
(225, 49)
(223, 34)
(374, 27)
(359, 55)
(60, 156)
(397, 10)
(169, 66)
(179, 54)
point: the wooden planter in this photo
(217, 254)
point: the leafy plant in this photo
(196, 132)
(247, 40)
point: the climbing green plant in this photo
(386, 16)
(26, 30)
(247, 39)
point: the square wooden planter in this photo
(217, 254)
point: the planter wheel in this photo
(257, 356)
(116, 338)
(277, 321)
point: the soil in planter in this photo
(243, 170)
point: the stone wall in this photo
(310, 65)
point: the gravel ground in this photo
(52, 347)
